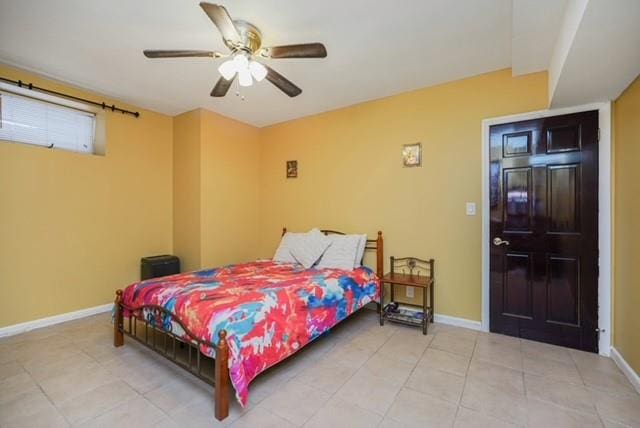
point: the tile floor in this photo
(359, 375)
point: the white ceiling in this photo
(535, 27)
(604, 57)
(375, 49)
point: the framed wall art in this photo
(292, 169)
(412, 155)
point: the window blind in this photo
(31, 121)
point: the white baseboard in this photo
(458, 322)
(12, 330)
(626, 368)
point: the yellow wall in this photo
(230, 168)
(213, 191)
(73, 227)
(626, 225)
(351, 177)
(216, 190)
(186, 189)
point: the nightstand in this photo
(410, 276)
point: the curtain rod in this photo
(104, 106)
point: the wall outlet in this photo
(409, 291)
(471, 208)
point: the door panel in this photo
(544, 210)
(564, 206)
(563, 291)
(517, 285)
(516, 144)
(564, 138)
(517, 205)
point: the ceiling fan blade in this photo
(151, 53)
(222, 87)
(220, 17)
(305, 50)
(284, 84)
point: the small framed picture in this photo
(412, 155)
(292, 169)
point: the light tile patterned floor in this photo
(359, 375)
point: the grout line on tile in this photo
(76, 347)
(466, 374)
(55, 406)
(349, 378)
(457, 411)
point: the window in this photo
(43, 123)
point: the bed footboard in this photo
(118, 321)
(157, 325)
(221, 389)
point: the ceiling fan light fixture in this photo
(258, 71)
(241, 61)
(228, 69)
(244, 41)
(244, 77)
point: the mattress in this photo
(270, 310)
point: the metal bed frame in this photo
(158, 335)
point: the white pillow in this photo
(360, 253)
(288, 241)
(307, 251)
(342, 252)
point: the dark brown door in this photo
(544, 230)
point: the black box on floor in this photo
(156, 266)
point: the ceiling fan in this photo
(244, 40)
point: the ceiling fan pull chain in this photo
(238, 94)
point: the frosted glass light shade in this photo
(228, 69)
(241, 62)
(258, 71)
(244, 76)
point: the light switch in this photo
(409, 291)
(471, 208)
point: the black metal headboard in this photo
(372, 244)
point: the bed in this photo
(242, 318)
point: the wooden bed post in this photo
(380, 255)
(380, 267)
(118, 322)
(284, 231)
(221, 391)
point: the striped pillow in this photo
(288, 241)
(307, 251)
(342, 253)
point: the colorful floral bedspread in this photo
(270, 310)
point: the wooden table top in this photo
(406, 279)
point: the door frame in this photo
(605, 208)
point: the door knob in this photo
(497, 242)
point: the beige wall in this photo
(73, 227)
(216, 190)
(351, 177)
(626, 225)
